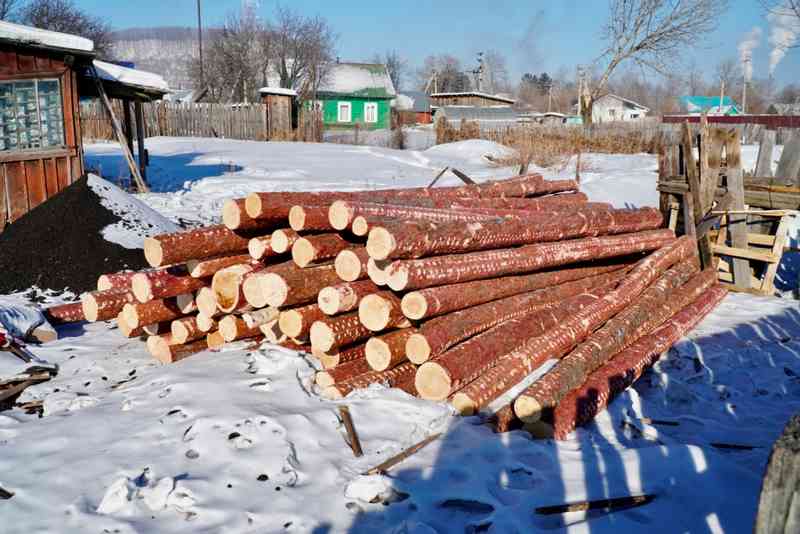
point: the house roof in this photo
(370, 80)
(36, 37)
(416, 101)
(625, 100)
(277, 91)
(497, 115)
(496, 98)
(136, 78)
(701, 104)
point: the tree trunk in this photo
(338, 357)
(65, 313)
(185, 329)
(441, 270)
(351, 264)
(120, 280)
(201, 243)
(435, 301)
(342, 373)
(778, 507)
(344, 297)
(330, 333)
(318, 248)
(141, 314)
(387, 351)
(343, 213)
(232, 328)
(151, 285)
(401, 374)
(207, 268)
(227, 285)
(309, 218)
(282, 240)
(287, 284)
(297, 323)
(104, 305)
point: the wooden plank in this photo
(710, 181)
(765, 149)
(139, 113)
(737, 224)
(25, 62)
(687, 209)
(35, 183)
(17, 190)
(8, 62)
(75, 168)
(789, 164)
(62, 172)
(3, 202)
(745, 253)
(50, 177)
(28, 156)
(70, 117)
(768, 284)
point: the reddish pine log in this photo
(227, 285)
(104, 305)
(233, 327)
(495, 374)
(318, 248)
(655, 305)
(142, 314)
(380, 311)
(206, 301)
(397, 376)
(127, 330)
(185, 329)
(330, 333)
(309, 218)
(450, 269)
(351, 264)
(120, 280)
(296, 323)
(206, 323)
(434, 301)
(340, 356)
(387, 351)
(235, 216)
(207, 268)
(214, 340)
(65, 313)
(378, 271)
(344, 297)
(163, 348)
(160, 284)
(341, 373)
(341, 213)
(196, 244)
(439, 334)
(287, 284)
(581, 405)
(282, 240)
(411, 240)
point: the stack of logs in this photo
(450, 293)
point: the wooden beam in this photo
(137, 105)
(737, 225)
(127, 123)
(765, 149)
(745, 253)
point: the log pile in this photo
(451, 293)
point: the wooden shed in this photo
(40, 133)
(280, 105)
(469, 98)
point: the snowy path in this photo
(237, 442)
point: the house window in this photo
(345, 112)
(370, 112)
(30, 115)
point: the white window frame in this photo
(340, 115)
(373, 106)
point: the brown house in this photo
(40, 133)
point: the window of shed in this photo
(31, 116)
(345, 112)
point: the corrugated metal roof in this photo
(497, 98)
(701, 104)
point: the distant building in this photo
(784, 109)
(414, 107)
(356, 93)
(486, 117)
(712, 105)
(280, 106)
(470, 98)
(611, 108)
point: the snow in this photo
(277, 91)
(354, 78)
(237, 441)
(39, 37)
(128, 76)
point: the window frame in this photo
(371, 105)
(7, 154)
(341, 105)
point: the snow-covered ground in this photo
(237, 441)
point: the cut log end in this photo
(186, 303)
(397, 279)
(360, 226)
(432, 382)
(348, 266)
(418, 350)
(226, 288)
(374, 312)
(527, 409)
(339, 215)
(229, 328)
(141, 287)
(322, 337)
(153, 252)
(267, 289)
(324, 379)
(379, 354)
(159, 348)
(253, 205)
(380, 243)
(282, 240)
(377, 271)
(328, 360)
(303, 252)
(214, 340)
(297, 218)
(414, 305)
(206, 301)
(258, 247)
(329, 300)
(291, 323)
(463, 404)
(180, 332)
(205, 323)
(232, 215)
(89, 307)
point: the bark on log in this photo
(330, 333)
(318, 248)
(342, 373)
(160, 284)
(342, 214)
(287, 284)
(655, 305)
(65, 313)
(396, 376)
(196, 244)
(435, 301)
(163, 349)
(126, 330)
(440, 270)
(120, 280)
(282, 240)
(504, 420)
(259, 248)
(207, 268)
(411, 240)
(439, 334)
(296, 323)
(582, 404)
(206, 323)
(309, 218)
(351, 264)
(344, 297)
(495, 375)
(104, 305)
(380, 311)
(185, 329)
(235, 217)
(214, 340)
(157, 329)
(777, 507)
(387, 351)
(233, 327)
(141, 314)
(227, 285)
(340, 356)
(206, 301)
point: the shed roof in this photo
(139, 79)
(625, 100)
(36, 37)
(496, 98)
(367, 80)
(496, 115)
(277, 91)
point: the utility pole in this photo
(744, 85)
(721, 94)
(200, 45)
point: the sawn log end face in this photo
(527, 409)
(463, 404)
(252, 205)
(340, 215)
(418, 350)
(414, 305)
(231, 214)
(153, 252)
(432, 382)
(380, 243)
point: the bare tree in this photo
(395, 65)
(64, 16)
(7, 8)
(442, 73)
(695, 80)
(495, 72)
(652, 34)
(789, 8)
(727, 75)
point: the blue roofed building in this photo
(712, 105)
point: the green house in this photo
(356, 94)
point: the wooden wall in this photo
(466, 100)
(29, 177)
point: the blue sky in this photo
(535, 35)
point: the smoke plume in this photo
(783, 34)
(750, 42)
